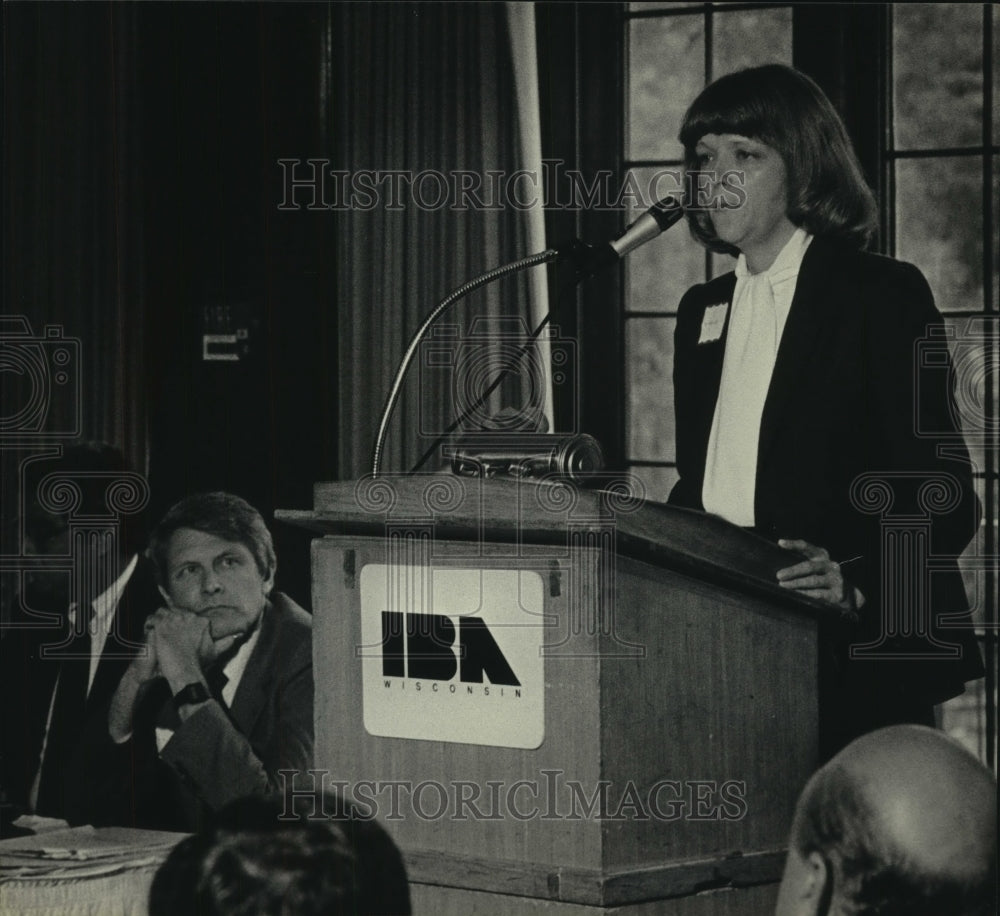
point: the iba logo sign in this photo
(424, 646)
(471, 670)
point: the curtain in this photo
(73, 244)
(524, 44)
(426, 92)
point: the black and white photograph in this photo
(499, 458)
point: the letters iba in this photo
(422, 647)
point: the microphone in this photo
(527, 455)
(592, 259)
(655, 221)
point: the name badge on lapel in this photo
(712, 322)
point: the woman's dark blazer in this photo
(860, 409)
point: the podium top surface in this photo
(696, 544)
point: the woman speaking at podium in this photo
(803, 406)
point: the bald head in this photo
(903, 820)
(928, 797)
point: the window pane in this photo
(962, 718)
(649, 360)
(996, 77)
(748, 38)
(639, 7)
(937, 74)
(939, 226)
(661, 271)
(990, 304)
(975, 354)
(973, 564)
(722, 264)
(666, 72)
(658, 482)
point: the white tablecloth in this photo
(81, 871)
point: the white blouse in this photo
(759, 311)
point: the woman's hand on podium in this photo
(818, 576)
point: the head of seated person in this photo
(79, 483)
(303, 855)
(902, 822)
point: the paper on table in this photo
(51, 871)
(83, 851)
(39, 824)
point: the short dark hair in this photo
(224, 515)
(90, 464)
(263, 857)
(871, 873)
(827, 193)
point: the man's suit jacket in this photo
(218, 754)
(29, 680)
(861, 386)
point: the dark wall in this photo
(212, 96)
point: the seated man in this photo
(222, 699)
(902, 822)
(75, 627)
(311, 855)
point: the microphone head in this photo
(666, 212)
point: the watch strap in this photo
(189, 694)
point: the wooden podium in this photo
(561, 700)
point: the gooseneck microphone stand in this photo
(543, 257)
(586, 259)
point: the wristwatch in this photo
(190, 694)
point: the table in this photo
(81, 871)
